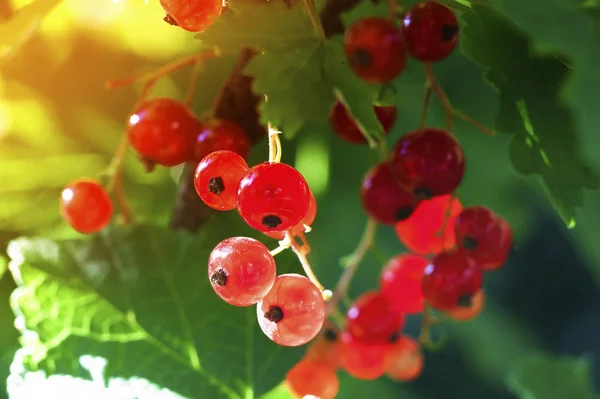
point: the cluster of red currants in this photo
(273, 198)
(415, 191)
(163, 131)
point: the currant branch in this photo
(449, 110)
(357, 256)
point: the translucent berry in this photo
(241, 270)
(309, 378)
(372, 319)
(383, 198)
(346, 128)
(430, 161)
(496, 259)
(293, 312)
(163, 131)
(218, 177)
(401, 282)
(406, 360)
(375, 49)
(192, 15)
(364, 361)
(430, 31)
(470, 312)
(433, 219)
(273, 197)
(86, 206)
(326, 348)
(451, 280)
(221, 134)
(299, 228)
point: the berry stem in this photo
(283, 245)
(115, 183)
(274, 144)
(426, 100)
(153, 77)
(427, 320)
(311, 10)
(301, 253)
(359, 253)
(435, 86)
(189, 96)
(449, 110)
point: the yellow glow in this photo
(312, 160)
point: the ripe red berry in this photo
(192, 15)
(430, 31)
(406, 360)
(364, 361)
(494, 260)
(293, 312)
(326, 348)
(401, 282)
(468, 313)
(163, 131)
(383, 198)
(299, 228)
(430, 161)
(219, 135)
(273, 197)
(346, 128)
(309, 378)
(429, 229)
(375, 49)
(451, 280)
(241, 270)
(86, 206)
(217, 179)
(372, 319)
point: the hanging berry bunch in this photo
(412, 188)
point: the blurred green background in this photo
(59, 122)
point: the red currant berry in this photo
(219, 135)
(192, 15)
(430, 31)
(406, 360)
(364, 361)
(326, 348)
(218, 177)
(430, 161)
(163, 131)
(309, 378)
(494, 260)
(375, 49)
(346, 128)
(293, 312)
(86, 206)
(477, 231)
(241, 270)
(451, 280)
(383, 198)
(429, 229)
(299, 228)
(372, 319)
(470, 312)
(401, 282)
(273, 197)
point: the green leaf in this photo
(140, 298)
(18, 29)
(544, 136)
(301, 74)
(570, 30)
(543, 376)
